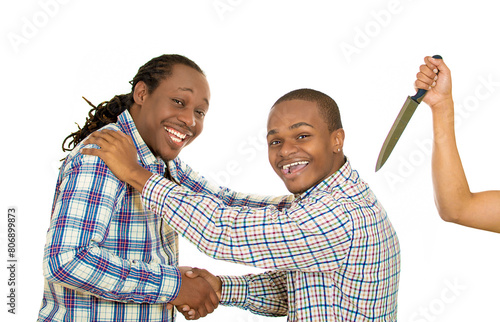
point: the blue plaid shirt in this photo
(336, 252)
(106, 257)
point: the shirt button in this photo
(153, 208)
(163, 298)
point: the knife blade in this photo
(399, 124)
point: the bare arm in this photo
(454, 200)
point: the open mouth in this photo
(294, 167)
(174, 135)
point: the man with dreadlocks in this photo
(106, 257)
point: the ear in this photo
(337, 140)
(140, 92)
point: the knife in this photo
(399, 125)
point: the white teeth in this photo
(286, 166)
(179, 136)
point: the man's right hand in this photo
(197, 294)
(438, 86)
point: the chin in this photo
(295, 189)
(169, 155)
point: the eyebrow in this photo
(291, 127)
(187, 89)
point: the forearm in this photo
(187, 177)
(104, 275)
(452, 193)
(138, 177)
(264, 294)
(298, 238)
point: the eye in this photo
(178, 102)
(303, 136)
(274, 142)
(201, 113)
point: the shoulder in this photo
(178, 169)
(88, 165)
(321, 204)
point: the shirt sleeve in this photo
(313, 235)
(86, 199)
(184, 175)
(264, 294)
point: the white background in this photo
(364, 54)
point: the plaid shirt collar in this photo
(335, 180)
(145, 155)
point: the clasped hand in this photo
(199, 294)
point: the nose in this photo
(287, 148)
(186, 116)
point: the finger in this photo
(193, 273)
(428, 79)
(189, 314)
(425, 82)
(421, 85)
(428, 72)
(186, 316)
(183, 308)
(430, 63)
(194, 316)
(98, 138)
(203, 311)
(105, 135)
(212, 302)
(439, 65)
(215, 300)
(210, 307)
(91, 151)
(109, 133)
(117, 135)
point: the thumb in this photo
(197, 272)
(193, 273)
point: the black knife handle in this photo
(421, 92)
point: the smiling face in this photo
(172, 115)
(302, 151)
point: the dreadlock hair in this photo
(151, 73)
(327, 106)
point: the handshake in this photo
(199, 293)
